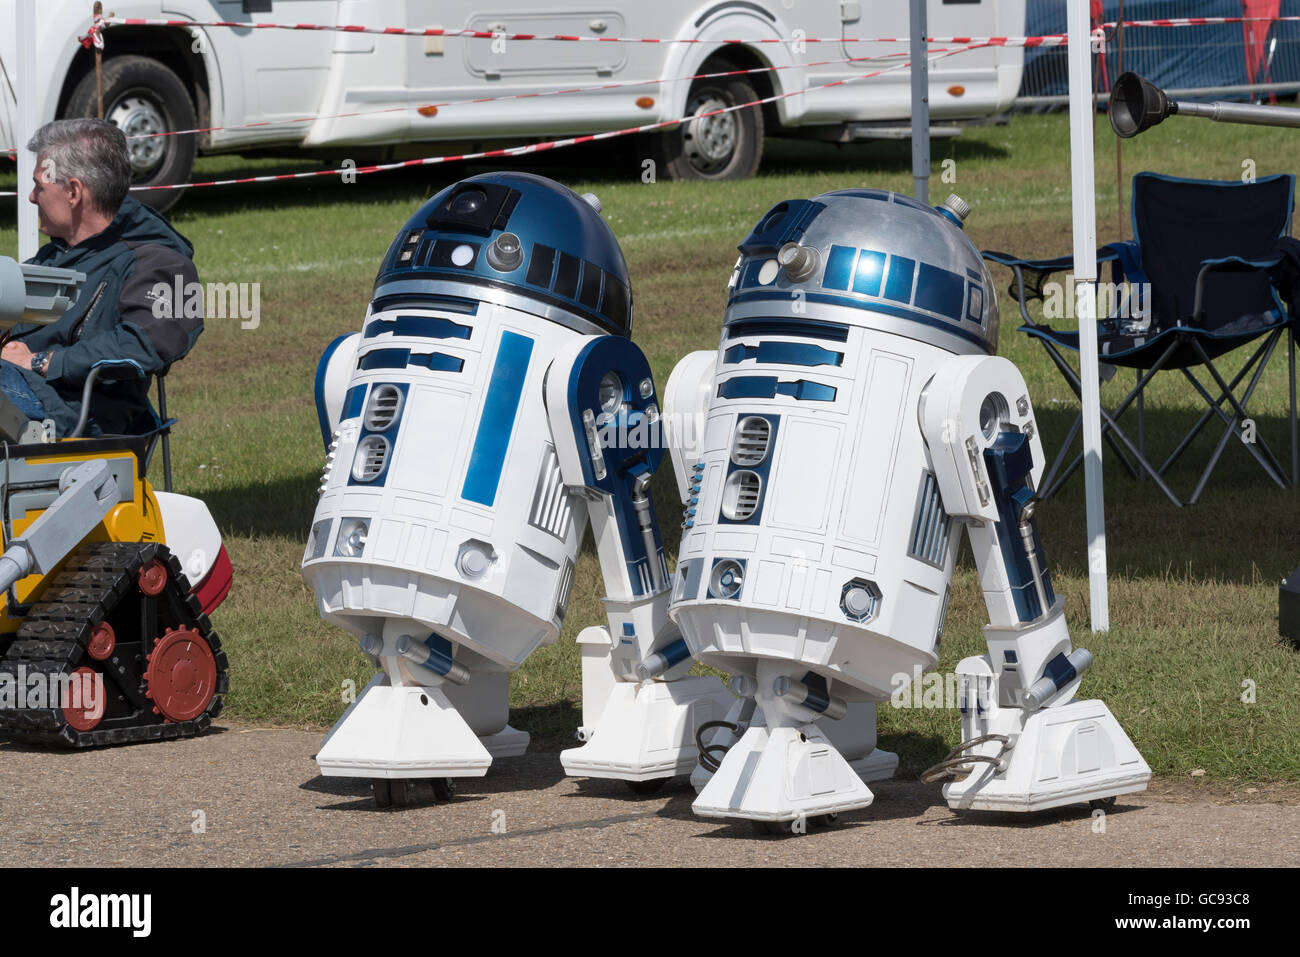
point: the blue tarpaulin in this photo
(1171, 57)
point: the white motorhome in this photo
(161, 78)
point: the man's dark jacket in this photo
(117, 320)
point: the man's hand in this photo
(18, 354)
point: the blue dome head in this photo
(520, 238)
(872, 258)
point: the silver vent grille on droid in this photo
(551, 511)
(929, 541)
(749, 446)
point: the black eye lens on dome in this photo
(467, 201)
(773, 218)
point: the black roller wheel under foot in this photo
(788, 828)
(653, 786)
(124, 650)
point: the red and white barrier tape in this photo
(474, 101)
(1195, 21)
(94, 36)
(101, 23)
(535, 147)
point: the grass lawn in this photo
(1193, 592)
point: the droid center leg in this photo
(640, 708)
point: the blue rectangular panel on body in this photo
(383, 359)
(353, 402)
(426, 327)
(437, 362)
(784, 353)
(402, 358)
(500, 407)
(898, 286)
(767, 387)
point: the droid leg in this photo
(853, 736)
(405, 724)
(640, 709)
(1028, 744)
(784, 769)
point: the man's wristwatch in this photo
(40, 361)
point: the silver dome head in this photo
(871, 258)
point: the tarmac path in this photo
(252, 797)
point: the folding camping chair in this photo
(1203, 270)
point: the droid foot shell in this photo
(402, 732)
(647, 730)
(1071, 754)
(782, 775)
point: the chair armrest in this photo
(1024, 290)
(1228, 264)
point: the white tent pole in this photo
(28, 111)
(1082, 188)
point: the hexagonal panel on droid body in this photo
(818, 535)
(443, 477)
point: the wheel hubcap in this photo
(710, 140)
(136, 116)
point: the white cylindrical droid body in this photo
(443, 522)
(818, 537)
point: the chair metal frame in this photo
(1181, 337)
(163, 431)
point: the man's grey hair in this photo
(93, 151)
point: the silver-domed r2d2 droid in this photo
(855, 419)
(451, 515)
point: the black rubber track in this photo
(100, 582)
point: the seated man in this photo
(125, 249)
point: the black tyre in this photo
(383, 792)
(443, 788)
(142, 96)
(714, 147)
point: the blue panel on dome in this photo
(839, 267)
(898, 286)
(941, 291)
(871, 268)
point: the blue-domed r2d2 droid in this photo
(855, 419)
(449, 522)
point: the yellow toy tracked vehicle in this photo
(105, 584)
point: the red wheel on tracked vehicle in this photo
(153, 578)
(84, 708)
(102, 642)
(182, 674)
